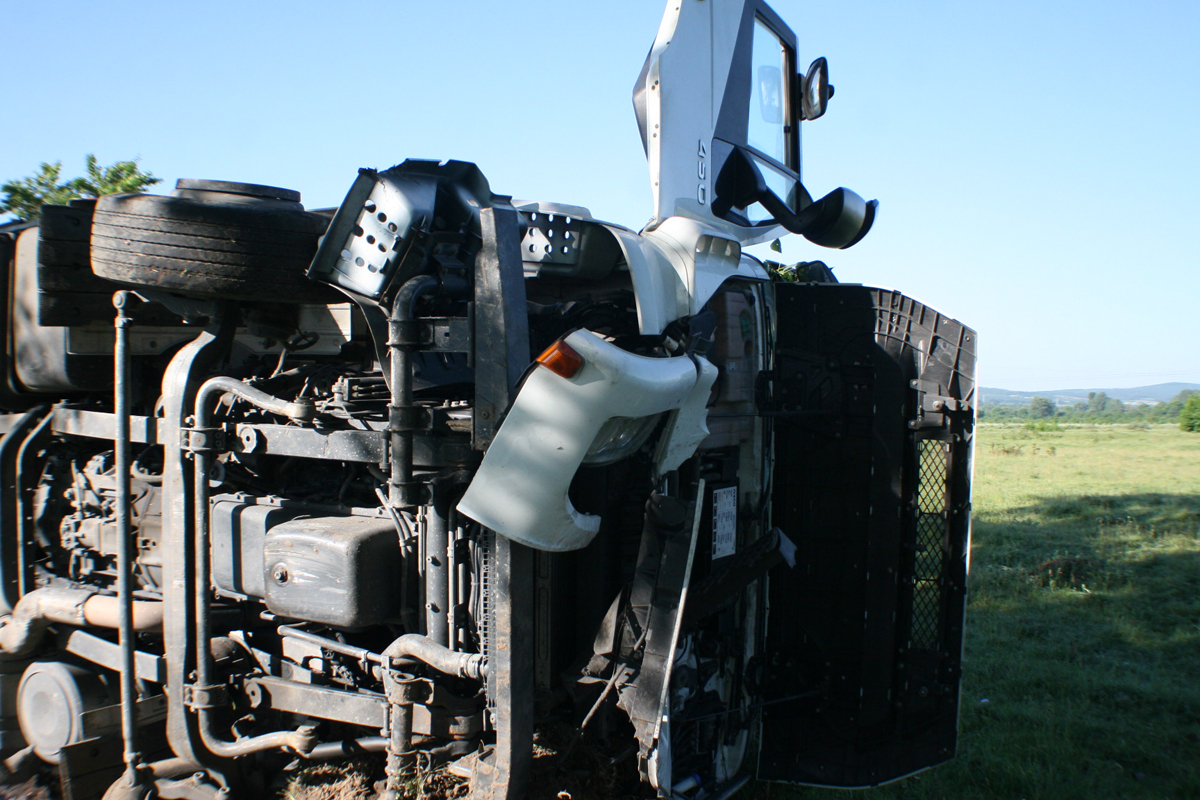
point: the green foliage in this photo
(121, 177)
(1189, 415)
(784, 273)
(1041, 407)
(25, 197)
(802, 272)
(1098, 409)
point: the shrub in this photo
(1189, 417)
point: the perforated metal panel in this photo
(930, 559)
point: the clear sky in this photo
(1037, 163)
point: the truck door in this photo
(721, 76)
(872, 397)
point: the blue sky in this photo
(1036, 163)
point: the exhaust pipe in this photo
(22, 631)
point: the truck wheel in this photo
(211, 238)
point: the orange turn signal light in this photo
(561, 359)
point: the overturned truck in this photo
(416, 476)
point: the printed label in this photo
(724, 541)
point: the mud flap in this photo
(873, 401)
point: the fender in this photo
(520, 490)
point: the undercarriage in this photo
(425, 477)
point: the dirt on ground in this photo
(568, 768)
(563, 769)
(31, 789)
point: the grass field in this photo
(1082, 665)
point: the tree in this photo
(1041, 408)
(25, 197)
(1189, 417)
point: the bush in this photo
(1041, 407)
(1189, 417)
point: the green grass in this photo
(1082, 656)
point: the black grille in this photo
(930, 544)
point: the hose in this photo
(400, 489)
(415, 647)
(302, 739)
(22, 631)
(300, 411)
(347, 749)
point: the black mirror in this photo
(816, 90)
(840, 219)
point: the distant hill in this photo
(1158, 393)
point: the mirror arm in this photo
(794, 222)
(741, 184)
(839, 219)
(817, 218)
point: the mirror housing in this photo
(840, 219)
(815, 90)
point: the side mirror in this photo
(840, 219)
(815, 90)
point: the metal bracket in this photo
(203, 697)
(195, 787)
(413, 493)
(933, 405)
(411, 418)
(202, 440)
(405, 333)
(414, 690)
(433, 334)
(404, 689)
(450, 335)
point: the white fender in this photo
(520, 489)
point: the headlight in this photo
(620, 437)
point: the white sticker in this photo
(724, 542)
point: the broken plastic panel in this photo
(564, 240)
(373, 231)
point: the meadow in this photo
(1082, 654)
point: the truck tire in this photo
(211, 239)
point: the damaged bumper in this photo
(520, 490)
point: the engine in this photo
(88, 535)
(287, 542)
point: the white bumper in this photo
(520, 489)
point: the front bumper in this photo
(520, 490)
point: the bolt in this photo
(280, 573)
